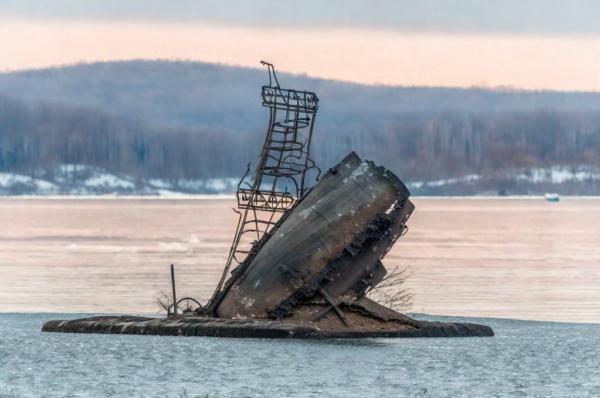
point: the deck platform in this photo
(218, 327)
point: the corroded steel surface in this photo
(336, 233)
(281, 174)
(217, 327)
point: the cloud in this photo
(461, 16)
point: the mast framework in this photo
(280, 178)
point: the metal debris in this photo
(281, 174)
(303, 257)
(325, 250)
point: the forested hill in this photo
(150, 126)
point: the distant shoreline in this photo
(232, 197)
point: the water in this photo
(510, 258)
(498, 258)
(524, 359)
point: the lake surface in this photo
(524, 359)
(508, 258)
(511, 258)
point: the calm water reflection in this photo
(502, 258)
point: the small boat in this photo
(552, 197)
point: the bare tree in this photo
(391, 291)
(164, 301)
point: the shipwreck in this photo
(307, 248)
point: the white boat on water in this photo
(552, 197)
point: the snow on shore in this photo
(552, 175)
(87, 180)
(82, 180)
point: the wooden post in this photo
(173, 286)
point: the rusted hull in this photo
(311, 243)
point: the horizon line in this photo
(483, 87)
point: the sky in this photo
(532, 44)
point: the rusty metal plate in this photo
(316, 232)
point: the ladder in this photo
(280, 177)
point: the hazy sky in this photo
(522, 43)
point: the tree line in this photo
(35, 138)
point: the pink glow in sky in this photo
(565, 62)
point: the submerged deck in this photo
(218, 327)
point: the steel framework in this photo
(281, 175)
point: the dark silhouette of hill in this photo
(192, 120)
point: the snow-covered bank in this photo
(174, 196)
(567, 180)
(87, 181)
(82, 180)
(553, 175)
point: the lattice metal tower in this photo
(281, 176)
